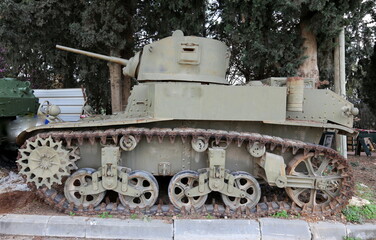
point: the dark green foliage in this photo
(94, 76)
(264, 36)
(4, 67)
(327, 19)
(158, 18)
(360, 35)
(359, 45)
(369, 83)
(30, 29)
(102, 27)
(28, 32)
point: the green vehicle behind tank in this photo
(184, 120)
(16, 100)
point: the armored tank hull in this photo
(13, 91)
(206, 138)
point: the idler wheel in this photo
(329, 183)
(147, 184)
(74, 183)
(181, 182)
(246, 182)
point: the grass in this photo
(364, 192)
(105, 215)
(281, 214)
(360, 214)
(351, 238)
(133, 216)
(370, 211)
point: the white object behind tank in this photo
(70, 101)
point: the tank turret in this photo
(18, 92)
(175, 58)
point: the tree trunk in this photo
(128, 50)
(126, 91)
(121, 85)
(116, 84)
(309, 68)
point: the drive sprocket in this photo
(45, 161)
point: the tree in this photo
(106, 27)
(369, 83)
(267, 38)
(263, 36)
(323, 20)
(360, 39)
(36, 26)
(360, 36)
(4, 68)
(158, 18)
(278, 38)
(29, 31)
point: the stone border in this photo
(180, 229)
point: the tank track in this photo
(266, 207)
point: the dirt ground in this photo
(364, 170)
(21, 202)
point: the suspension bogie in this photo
(166, 158)
(126, 161)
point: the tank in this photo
(187, 138)
(13, 119)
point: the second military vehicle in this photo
(184, 120)
(18, 107)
